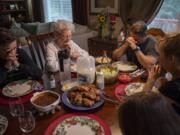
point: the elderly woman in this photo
(63, 34)
(15, 64)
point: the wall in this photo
(93, 24)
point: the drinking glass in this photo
(16, 107)
(26, 122)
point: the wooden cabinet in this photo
(96, 46)
(17, 9)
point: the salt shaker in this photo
(52, 81)
(100, 80)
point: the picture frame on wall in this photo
(96, 6)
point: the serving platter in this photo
(67, 103)
(125, 66)
(20, 88)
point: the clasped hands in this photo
(131, 42)
(12, 61)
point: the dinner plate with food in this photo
(83, 98)
(125, 66)
(3, 124)
(78, 124)
(20, 88)
(103, 60)
(134, 88)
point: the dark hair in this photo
(148, 113)
(156, 32)
(6, 37)
(139, 28)
(171, 45)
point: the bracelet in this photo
(136, 49)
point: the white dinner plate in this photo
(3, 124)
(125, 66)
(20, 88)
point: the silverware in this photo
(111, 100)
(107, 97)
(137, 73)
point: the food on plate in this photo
(134, 88)
(68, 85)
(103, 60)
(79, 125)
(124, 78)
(125, 66)
(45, 99)
(3, 124)
(110, 73)
(84, 95)
(20, 88)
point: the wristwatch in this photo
(136, 49)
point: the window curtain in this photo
(79, 9)
(134, 10)
(37, 10)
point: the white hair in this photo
(62, 25)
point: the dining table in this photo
(108, 112)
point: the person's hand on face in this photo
(67, 46)
(131, 42)
(154, 72)
(11, 55)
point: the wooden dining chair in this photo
(37, 47)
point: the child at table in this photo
(15, 64)
(148, 113)
(169, 60)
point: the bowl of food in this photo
(45, 101)
(103, 60)
(124, 77)
(110, 73)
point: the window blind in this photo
(57, 9)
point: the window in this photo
(57, 9)
(168, 18)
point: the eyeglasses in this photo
(11, 50)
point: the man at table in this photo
(139, 48)
(15, 64)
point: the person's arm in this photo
(117, 53)
(52, 64)
(153, 75)
(76, 51)
(3, 74)
(28, 67)
(146, 61)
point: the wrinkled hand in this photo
(154, 72)
(12, 61)
(131, 42)
(75, 55)
(67, 46)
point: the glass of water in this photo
(26, 122)
(16, 107)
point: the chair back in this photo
(37, 47)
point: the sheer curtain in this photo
(168, 18)
(57, 9)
